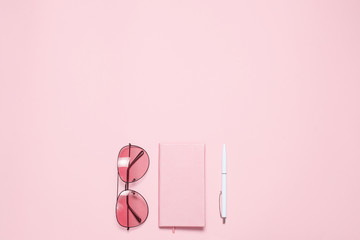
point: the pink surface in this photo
(277, 81)
(182, 185)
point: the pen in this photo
(223, 185)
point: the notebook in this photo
(182, 185)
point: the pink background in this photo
(278, 81)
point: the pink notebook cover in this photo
(182, 185)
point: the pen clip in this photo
(220, 207)
(220, 203)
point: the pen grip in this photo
(223, 195)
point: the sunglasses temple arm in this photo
(132, 211)
(130, 165)
(127, 187)
(127, 196)
(136, 158)
(127, 172)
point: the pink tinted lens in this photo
(131, 209)
(137, 163)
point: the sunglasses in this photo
(131, 207)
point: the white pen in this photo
(223, 185)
